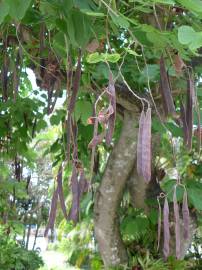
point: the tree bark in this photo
(28, 235)
(36, 235)
(110, 192)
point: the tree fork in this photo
(110, 192)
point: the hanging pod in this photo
(165, 90)
(166, 230)
(144, 146)
(177, 225)
(185, 215)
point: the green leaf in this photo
(41, 124)
(134, 226)
(186, 34)
(166, 2)
(92, 13)
(83, 110)
(113, 58)
(96, 57)
(18, 8)
(192, 5)
(132, 52)
(120, 20)
(57, 117)
(194, 192)
(174, 129)
(168, 186)
(82, 28)
(4, 9)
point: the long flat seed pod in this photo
(165, 90)
(144, 146)
(4, 73)
(166, 230)
(177, 225)
(75, 89)
(159, 226)
(53, 211)
(76, 83)
(60, 192)
(139, 142)
(112, 117)
(184, 123)
(83, 184)
(189, 109)
(185, 214)
(74, 211)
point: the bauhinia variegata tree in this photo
(132, 63)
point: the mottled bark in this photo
(109, 195)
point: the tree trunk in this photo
(28, 235)
(110, 192)
(36, 234)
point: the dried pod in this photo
(144, 146)
(74, 211)
(189, 109)
(169, 107)
(185, 214)
(112, 114)
(166, 230)
(60, 192)
(72, 101)
(83, 183)
(53, 211)
(184, 123)
(159, 226)
(177, 225)
(139, 143)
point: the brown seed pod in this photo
(166, 230)
(185, 214)
(177, 225)
(144, 146)
(169, 107)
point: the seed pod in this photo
(83, 184)
(72, 102)
(53, 211)
(177, 225)
(165, 90)
(159, 226)
(139, 143)
(144, 146)
(112, 117)
(166, 230)
(60, 192)
(74, 211)
(189, 110)
(184, 123)
(185, 214)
